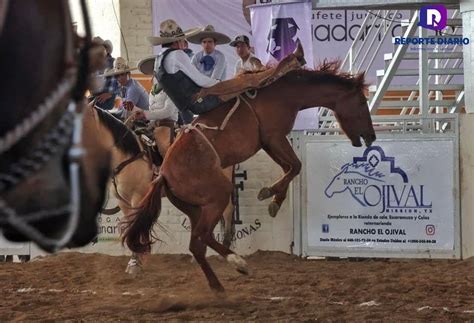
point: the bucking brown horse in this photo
(192, 176)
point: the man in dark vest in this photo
(180, 79)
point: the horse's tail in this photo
(137, 229)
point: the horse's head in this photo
(337, 184)
(352, 113)
(51, 184)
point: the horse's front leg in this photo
(283, 154)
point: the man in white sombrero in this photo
(132, 92)
(175, 73)
(210, 61)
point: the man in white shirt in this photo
(173, 69)
(161, 107)
(210, 61)
(247, 61)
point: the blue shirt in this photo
(133, 91)
(212, 65)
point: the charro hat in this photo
(147, 65)
(170, 32)
(209, 32)
(120, 67)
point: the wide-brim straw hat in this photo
(108, 46)
(97, 40)
(120, 67)
(209, 32)
(170, 32)
(147, 65)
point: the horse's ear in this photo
(299, 53)
(360, 80)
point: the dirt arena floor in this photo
(94, 287)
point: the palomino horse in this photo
(191, 174)
(49, 194)
(133, 172)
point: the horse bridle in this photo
(58, 138)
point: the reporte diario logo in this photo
(375, 181)
(433, 17)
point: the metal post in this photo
(424, 81)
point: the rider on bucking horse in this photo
(179, 78)
(190, 90)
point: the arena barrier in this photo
(302, 226)
(254, 228)
(398, 198)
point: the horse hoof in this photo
(239, 263)
(134, 271)
(134, 268)
(219, 291)
(264, 194)
(273, 209)
(243, 271)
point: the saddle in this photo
(229, 89)
(145, 131)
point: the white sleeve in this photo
(219, 69)
(237, 68)
(194, 60)
(159, 109)
(179, 61)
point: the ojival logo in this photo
(433, 17)
(375, 181)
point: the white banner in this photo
(394, 196)
(277, 28)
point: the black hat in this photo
(240, 39)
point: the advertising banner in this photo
(391, 196)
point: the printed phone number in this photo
(421, 241)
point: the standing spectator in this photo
(210, 61)
(247, 60)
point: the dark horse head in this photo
(340, 92)
(42, 181)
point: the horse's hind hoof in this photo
(239, 263)
(134, 272)
(264, 194)
(134, 268)
(243, 271)
(273, 209)
(219, 291)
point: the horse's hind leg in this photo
(206, 224)
(198, 249)
(211, 212)
(283, 154)
(135, 265)
(196, 245)
(229, 227)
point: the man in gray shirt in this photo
(132, 92)
(210, 61)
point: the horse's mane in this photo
(328, 71)
(124, 138)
